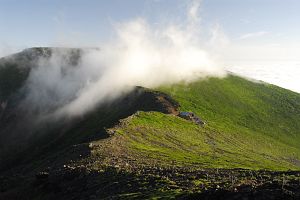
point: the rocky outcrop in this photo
(192, 117)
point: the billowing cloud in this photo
(140, 54)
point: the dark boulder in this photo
(192, 117)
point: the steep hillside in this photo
(248, 125)
(16, 125)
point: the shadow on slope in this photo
(50, 137)
(23, 140)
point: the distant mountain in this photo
(227, 138)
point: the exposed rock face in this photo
(192, 117)
(143, 99)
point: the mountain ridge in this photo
(138, 147)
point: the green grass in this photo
(249, 125)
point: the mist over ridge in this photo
(140, 54)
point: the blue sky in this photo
(43, 22)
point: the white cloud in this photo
(282, 73)
(140, 54)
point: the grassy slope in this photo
(250, 125)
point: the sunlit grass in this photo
(249, 125)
